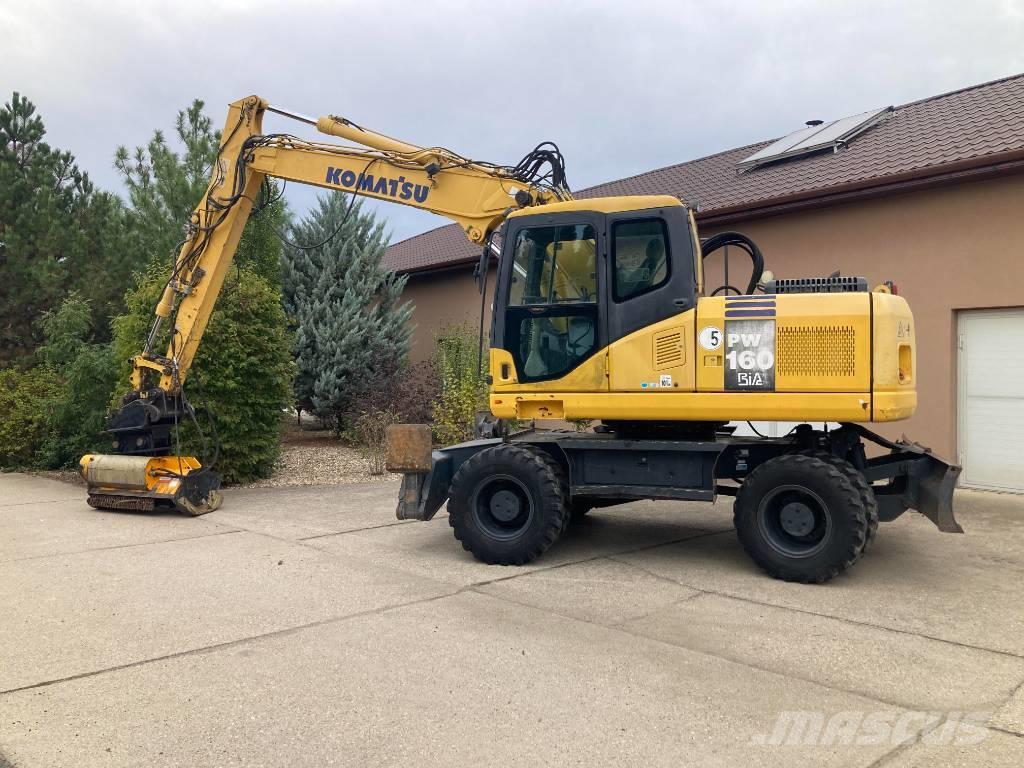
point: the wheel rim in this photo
(794, 521)
(502, 507)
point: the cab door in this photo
(651, 311)
(547, 312)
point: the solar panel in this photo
(831, 135)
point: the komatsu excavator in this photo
(600, 312)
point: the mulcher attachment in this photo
(144, 484)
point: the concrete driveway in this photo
(308, 627)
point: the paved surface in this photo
(308, 627)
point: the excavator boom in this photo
(475, 195)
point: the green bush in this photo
(78, 409)
(243, 367)
(25, 423)
(463, 388)
(55, 412)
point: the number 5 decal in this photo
(711, 337)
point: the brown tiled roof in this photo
(976, 126)
(437, 248)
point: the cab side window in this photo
(640, 257)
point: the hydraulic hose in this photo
(746, 245)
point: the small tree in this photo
(352, 329)
(463, 386)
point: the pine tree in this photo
(165, 184)
(352, 329)
(57, 234)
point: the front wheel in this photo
(800, 519)
(508, 504)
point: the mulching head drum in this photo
(145, 484)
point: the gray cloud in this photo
(622, 87)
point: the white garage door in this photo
(990, 416)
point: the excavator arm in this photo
(475, 195)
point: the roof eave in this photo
(444, 266)
(970, 169)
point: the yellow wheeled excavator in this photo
(600, 311)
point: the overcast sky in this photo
(621, 87)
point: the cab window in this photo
(640, 257)
(554, 265)
(552, 306)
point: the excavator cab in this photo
(577, 276)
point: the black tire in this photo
(867, 494)
(508, 504)
(800, 519)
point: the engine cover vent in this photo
(668, 350)
(816, 350)
(841, 284)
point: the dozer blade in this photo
(934, 481)
(145, 484)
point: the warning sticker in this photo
(750, 355)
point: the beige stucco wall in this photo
(444, 298)
(950, 248)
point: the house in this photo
(928, 195)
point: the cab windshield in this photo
(552, 306)
(554, 265)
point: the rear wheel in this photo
(800, 519)
(867, 494)
(508, 504)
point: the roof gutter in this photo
(438, 268)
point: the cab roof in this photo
(602, 205)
